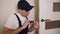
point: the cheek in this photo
(26, 14)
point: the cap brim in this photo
(29, 8)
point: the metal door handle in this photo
(43, 20)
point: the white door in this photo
(46, 12)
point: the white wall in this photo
(8, 7)
(46, 12)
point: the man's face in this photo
(25, 13)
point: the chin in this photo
(25, 15)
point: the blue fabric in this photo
(24, 5)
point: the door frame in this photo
(36, 14)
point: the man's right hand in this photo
(25, 24)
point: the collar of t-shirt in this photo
(22, 19)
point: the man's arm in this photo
(10, 31)
(15, 31)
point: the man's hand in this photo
(26, 23)
(36, 25)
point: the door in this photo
(46, 13)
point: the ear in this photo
(19, 9)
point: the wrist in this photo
(22, 27)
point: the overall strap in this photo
(27, 18)
(24, 31)
(18, 20)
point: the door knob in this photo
(43, 20)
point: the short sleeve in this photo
(11, 22)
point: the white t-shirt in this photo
(12, 21)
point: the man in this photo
(18, 23)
